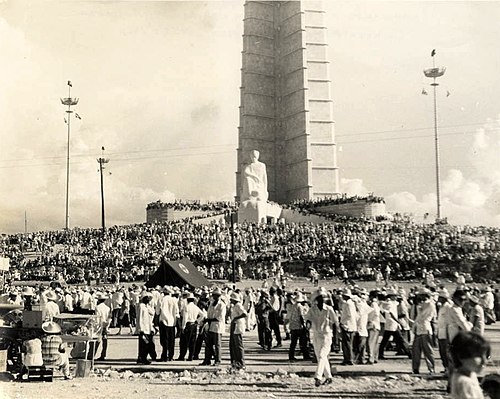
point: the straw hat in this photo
(51, 296)
(216, 291)
(235, 297)
(51, 327)
(28, 291)
(299, 298)
(190, 296)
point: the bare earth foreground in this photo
(268, 375)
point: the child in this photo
(469, 352)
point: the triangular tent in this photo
(177, 273)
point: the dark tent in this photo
(177, 273)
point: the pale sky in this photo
(158, 84)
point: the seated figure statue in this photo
(254, 191)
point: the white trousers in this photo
(322, 344)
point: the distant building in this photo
(286, 104)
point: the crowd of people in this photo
(194, 205)
(350, 320)
(130, 253)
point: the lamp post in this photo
(434, 73)
(69, 101)
(102, 161)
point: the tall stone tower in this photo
(286, 103)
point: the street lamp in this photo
(434, 73)
(69, 101)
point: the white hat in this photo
(235, 297)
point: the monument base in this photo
(258, 212)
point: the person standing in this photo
(444, 304)
(361, 335)
(422, 328)
(262, 311)
(455, 322)
(168, 311)
(238, 323)
(348, 326)
(190, 316)
(476, 315)
(297, 312)
(145, 328)
(274, 315)
(373, 327)
(103, 311)
(321, 320)
(216, 317)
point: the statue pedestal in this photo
(253, 211)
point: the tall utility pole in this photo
(102, 161)
(434, 73)
(25, 222)
(69, 101)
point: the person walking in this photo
(392, 326)
(262, 311)
(236, 331)
(321, 320)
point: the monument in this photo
(286, 107)
(253, 201)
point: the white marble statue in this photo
(254, 180)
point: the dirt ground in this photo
(115, 385)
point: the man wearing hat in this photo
(53, 349)
(321, 320)
(422, 329)
(145, 316)
(168, 311)
(51, 308)
(296, 314)
(237, 330)
(392, 326)
(348, 325)
(444, 305)
(190, 316)
(476, 314)
(103, 311)
(216, 317)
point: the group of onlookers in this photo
(130, 253)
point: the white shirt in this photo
(191, 313)
(349, 316)
(168, 309)
(145, 318)
(104, 312)
(426, 312)
(362, 323)
(217, 311)
(237, 310)
(322, 320)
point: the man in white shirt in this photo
(373, 327)
(145, 328)
(422, 329)
(348, 325)
(274, 315)
(51, 308)
(216, 317)
(444, 304)
(320, 320)
(361, 335)
(392, 326)
(237, 330)
(168, 311)
(190, 316)
(104, 312)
